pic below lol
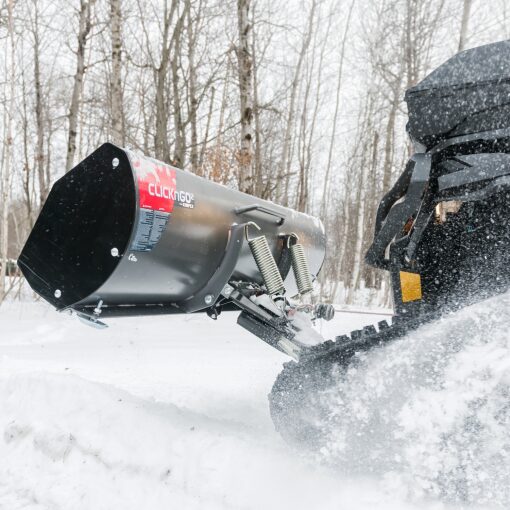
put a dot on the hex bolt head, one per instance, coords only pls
(115, 162)
(208, 299)
(114, 252)
(227, 290)
(57, 293)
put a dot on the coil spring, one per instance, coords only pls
(267, 265)
(301, 270)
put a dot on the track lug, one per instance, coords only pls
(369, 330)
(356, 334)
(382, 325)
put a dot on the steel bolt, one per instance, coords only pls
(208, 299)
(58, 293)
(227, 290)
(115, 252)
(115, 162)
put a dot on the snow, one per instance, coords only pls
(171, 412)
(430, 413)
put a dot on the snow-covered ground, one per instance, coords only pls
(171, 412)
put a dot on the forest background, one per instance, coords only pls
(298, 102)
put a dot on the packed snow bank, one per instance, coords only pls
(74, 444)
(153, 413)
(431, 412)
(171, 412)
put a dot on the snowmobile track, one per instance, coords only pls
(295, 399)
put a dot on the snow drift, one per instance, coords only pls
(70, 443)
(172, 413)
(431, 412)
(162, 413)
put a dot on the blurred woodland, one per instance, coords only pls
(300, 102)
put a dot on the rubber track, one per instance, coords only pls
(293, 398)
(345, 346)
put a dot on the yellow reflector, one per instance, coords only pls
(410, 284)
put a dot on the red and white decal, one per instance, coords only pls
(157, 183)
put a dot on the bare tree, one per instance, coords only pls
(160, 76)
(466, 10)
(332, 142)
(257, 187)
(84, 27)
(217, 154)
(39, 156)
(116, 80)
(245, 73)
(286, 156)
(177, 100)
(203, 149)
(192, 85)
(249, 93)
(310, 112)
(7, 159)
(28, 181)
(167, 64)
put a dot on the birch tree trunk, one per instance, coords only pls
(245, 70)
(84, 27)
(192, 87)
(118, 136)
(39, 155)
(466, 11)
(258, 186)
(8, 153)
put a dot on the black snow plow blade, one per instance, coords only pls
(122, 234)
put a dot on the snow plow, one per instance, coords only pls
(123, 235)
